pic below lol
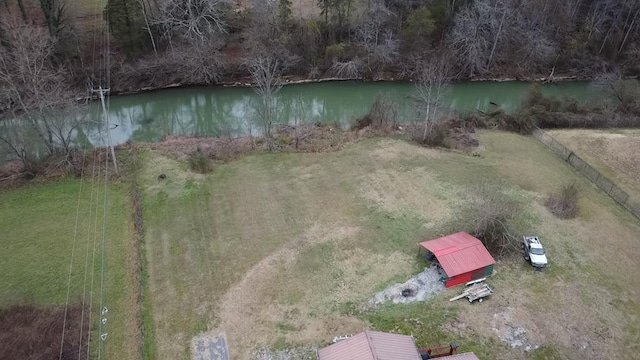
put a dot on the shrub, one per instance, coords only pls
(284, 140)
(335, 51)
(564, 204)
(383, 114)
(200, 163)
(436, 136)
(522, 122)
(490, 215)
(418, 26)
(535, 98)
(349, 69)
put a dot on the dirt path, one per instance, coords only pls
(248, 319)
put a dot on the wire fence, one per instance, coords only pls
(620, 196)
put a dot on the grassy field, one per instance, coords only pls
(615, 153)
(286, 249)
(38, 225)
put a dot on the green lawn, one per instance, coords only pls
(286, 249)
(38, 230)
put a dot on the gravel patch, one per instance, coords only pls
(506, 326)
(210, 347)
(418, 288)
(516, 337)
(296, 353)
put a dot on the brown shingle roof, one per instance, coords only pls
(372, 345)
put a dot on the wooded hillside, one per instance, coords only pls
(158, 42)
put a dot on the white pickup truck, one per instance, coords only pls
(533, 251)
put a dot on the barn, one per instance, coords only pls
(463, 258)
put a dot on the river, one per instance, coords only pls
(228, 111)
(217, 111)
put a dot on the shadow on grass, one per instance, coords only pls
(35, 332)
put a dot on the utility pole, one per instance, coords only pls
(101, 93)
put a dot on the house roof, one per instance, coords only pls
(459, 253)
(464, 356)
(372, 345)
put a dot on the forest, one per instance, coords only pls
(54, 53)
(61, 46)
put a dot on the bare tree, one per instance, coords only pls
(349, 69)
(55, 14)
(201, 64)
(429, 92)
(631, 20)
(144, 5)
(378, 41)
(490, 33)
(37, 100)
(266, 38)
(194, 20)
(265, 73)
(470, 38)
(610, 23)
(532, 43)
(625, 93)
(15, 136)
(31, 80)
(500, 8)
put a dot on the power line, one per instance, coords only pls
(73, 248)
(86, 260)
(103, 309)
(93, 262)
(105, 108)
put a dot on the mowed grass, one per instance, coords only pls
(38, 225)
(287, 249)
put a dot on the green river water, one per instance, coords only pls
(218, 111)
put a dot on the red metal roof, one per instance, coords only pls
(459, 253)
(372, 345)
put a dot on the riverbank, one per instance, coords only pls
(305, 138)
(245, 82)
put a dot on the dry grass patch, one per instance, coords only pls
(394, 150)
(254, 309)
(206, 233)
(407, 192)
(615, 153)
(589, 256)
(164, 175)
(284, 249)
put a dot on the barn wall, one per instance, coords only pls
(459, 279)
(469, 276)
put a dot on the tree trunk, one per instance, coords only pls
(146, 21)
(496, 39)
(426, 123)
(626, 35)
(604, 41)
(22, 11)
